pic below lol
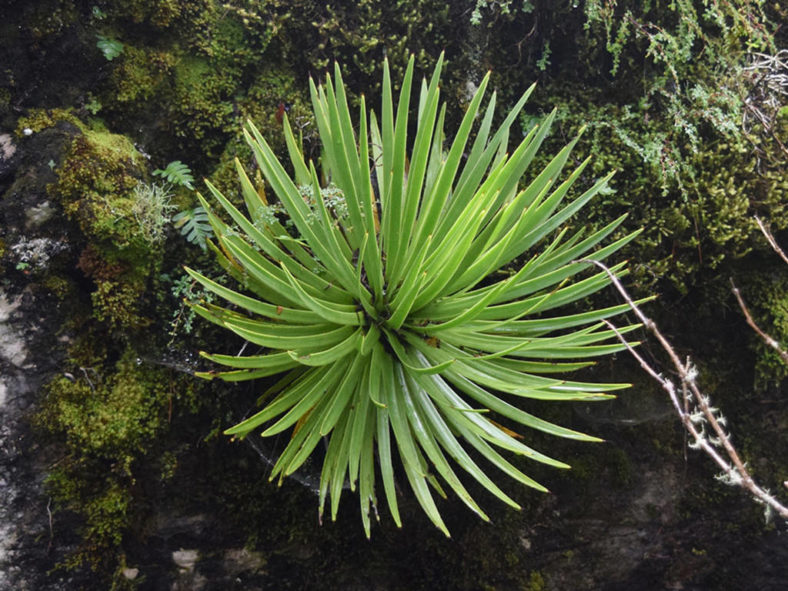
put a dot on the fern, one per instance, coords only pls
(194, 224)
(177, 173)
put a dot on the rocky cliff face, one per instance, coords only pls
(29, 356)
(153, 498)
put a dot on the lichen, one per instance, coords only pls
(35, 253)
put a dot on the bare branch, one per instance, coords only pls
(51, 530)
(770, 239)
(765, 337)
(694, 408)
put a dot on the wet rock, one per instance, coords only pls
(185, 559)
(12, 345)
(240, 560)
(33, 236)
(38, 215)
(27, 359)
(188, 577)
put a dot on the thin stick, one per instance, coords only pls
(771, 240)
(774, 344)
(51, 530)
(702, 412)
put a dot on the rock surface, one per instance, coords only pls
(632, 515)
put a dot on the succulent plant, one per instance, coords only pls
(407, 323)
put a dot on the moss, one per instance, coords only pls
(361, 34)
(95, 183)
(605, 462)
(535, 582)
(160, 14)
(139, 74)
(39, 119)
(272, 87)
(232, 34)
(106, 421)
(5, 101)
(48, 19)
(202, 107)
(193, 75)
(109, 418)
(62, 288)
(104, 506)
(766, 295)
(689, 232)
(119, 291)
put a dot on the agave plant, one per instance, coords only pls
(407, 324)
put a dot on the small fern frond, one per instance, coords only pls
(194, 225)
(177, 173)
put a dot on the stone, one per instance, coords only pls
(12, 346)
(7, 152)
(38, 215)
(185, 559)
(238, 560)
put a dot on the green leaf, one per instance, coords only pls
(111, 48)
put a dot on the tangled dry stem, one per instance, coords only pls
(769, 75)
(694, 408)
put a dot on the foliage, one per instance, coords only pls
(695, 237)
(177, 173)
(499, 6)
(111, 48)
(397, 311)
(694, 58)
(691, 235)
(184, 289)
(194, 225)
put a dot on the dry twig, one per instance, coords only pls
(770, 239)
(51, 529)
(765, 337)
(769, 76)
(694, 408)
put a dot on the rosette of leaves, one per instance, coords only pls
(407, 327)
